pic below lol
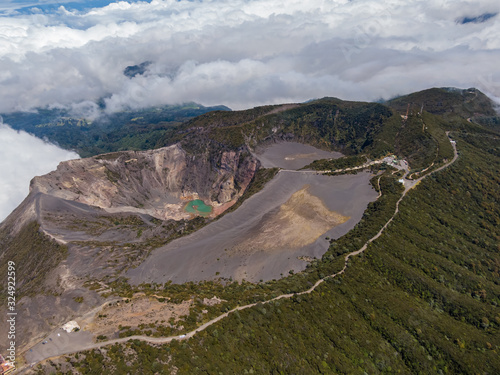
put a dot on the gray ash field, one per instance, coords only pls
(230, 247)
(292, 155)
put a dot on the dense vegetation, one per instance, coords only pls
(126, 130)
(335, 164)
(330, 123)
(349, 127)
(354, 128)
(450, 103)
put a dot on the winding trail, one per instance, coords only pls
(409, 184)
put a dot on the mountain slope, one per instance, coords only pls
(112, 210)
(447, 102)
(423, 299)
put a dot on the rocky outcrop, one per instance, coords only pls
(155, 182)
(233, 175)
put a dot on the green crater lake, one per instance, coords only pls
(198, 207)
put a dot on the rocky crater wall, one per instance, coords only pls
(155, 182)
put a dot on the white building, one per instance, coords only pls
(71, 326)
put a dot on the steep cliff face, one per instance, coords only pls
(155, 182)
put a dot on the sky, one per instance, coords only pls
(241, 53)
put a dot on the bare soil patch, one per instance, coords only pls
(137, 312)
(298, 222)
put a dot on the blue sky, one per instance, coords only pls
(26, 6)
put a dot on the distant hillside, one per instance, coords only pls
(352, 128)
(447, 102)
(126, 130)
(349, 127)
(330, 123)
(452, 104)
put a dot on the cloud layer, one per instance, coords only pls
(243, 53)
(23, 156)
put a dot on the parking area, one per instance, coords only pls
(57, 343)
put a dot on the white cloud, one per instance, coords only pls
(23, 156)
(244, 53)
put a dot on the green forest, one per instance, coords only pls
(125, 130)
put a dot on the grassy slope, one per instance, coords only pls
(34, 255)
(334, 164)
